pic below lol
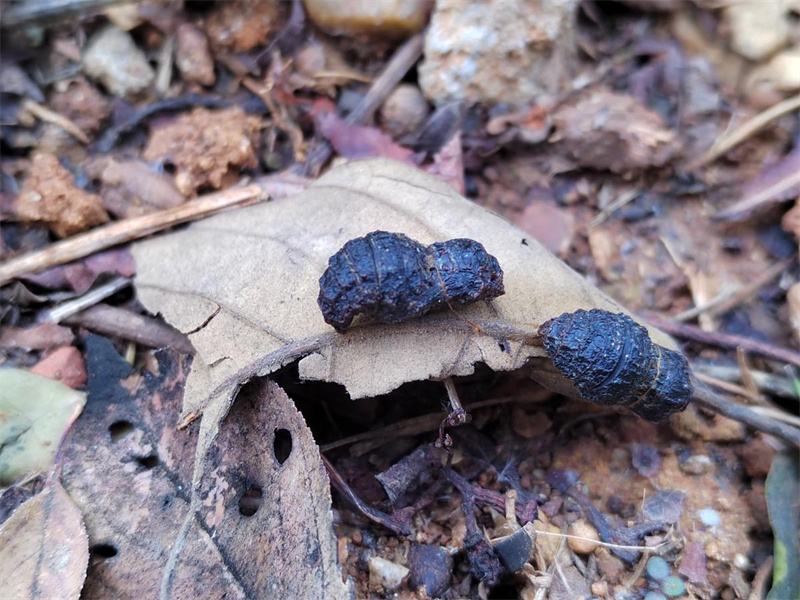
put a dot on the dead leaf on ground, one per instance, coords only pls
(43, 548)
(244, 285)
(131, 188)
(264, 498)
(34, 414)
(359, 141)
(79, 276)
(448, 164)
(608, 131)
(777, 183)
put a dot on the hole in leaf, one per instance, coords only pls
(149, 461)
(120, 429)
(103, 550)
(282, 446)
(250, 501)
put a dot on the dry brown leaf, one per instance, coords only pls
(243, 285)
(44, 550)
(265, 499)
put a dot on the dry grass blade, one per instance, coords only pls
(751, 127)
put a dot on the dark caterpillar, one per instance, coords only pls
(612, 361)
(393, 278)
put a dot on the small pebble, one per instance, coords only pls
(430, 566)
(389, 19)
(696, 465)
(404, 111)
(193, 56)
(655, 596)
(657, 568)
(582, 529)
(673, 586)
(385, 573)
(709, 517)
(112, 58)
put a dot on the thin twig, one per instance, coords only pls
(353, 75)
(777, 414)
(403, 59)
(90, 298)
(750, 203)
(731, 388)
(751, 127)
(614, 205)
(768, 383)
(707, 398)
(758, 589)
(45, 114)
(84, 244)
(729, 299)
(372, 514)
(724, 340)
(147, 331)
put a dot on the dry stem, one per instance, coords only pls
(751, 127)
(84, 244)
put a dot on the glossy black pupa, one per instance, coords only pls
(392, 278)
(611, 360)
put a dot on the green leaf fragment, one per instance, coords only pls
(34, 414)
(783, 490)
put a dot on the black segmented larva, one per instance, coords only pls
(611, 360)
(392, 278)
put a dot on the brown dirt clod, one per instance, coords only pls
(206, 146)
(49, 195)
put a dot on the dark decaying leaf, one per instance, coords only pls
(264, 498)
(43, 548)
(263, 525)
(129, 470)
(693, 563)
